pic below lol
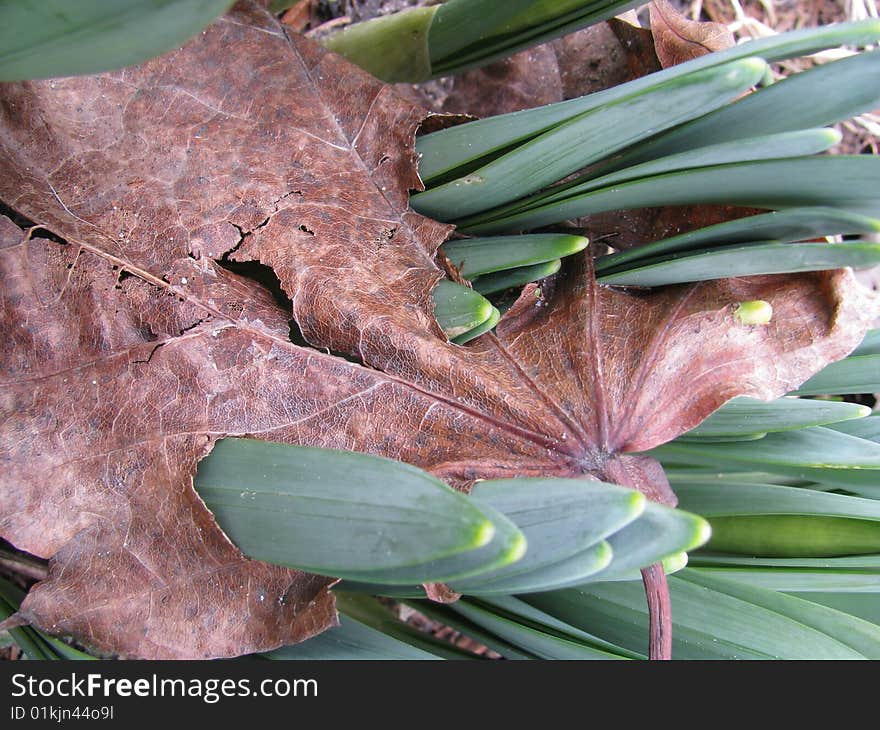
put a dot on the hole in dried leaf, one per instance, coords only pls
(265, 276)
(262, 275)
(26, 223)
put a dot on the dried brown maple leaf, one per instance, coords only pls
(128, 349)
(678, 39)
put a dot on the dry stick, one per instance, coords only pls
(28, 568)
(659, 612)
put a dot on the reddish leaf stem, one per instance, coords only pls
(659, 612)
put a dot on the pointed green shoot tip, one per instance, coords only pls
(674, 563)
(517, 550)
(702, 534)
(484, 533)
(755, 312)
(748, 68)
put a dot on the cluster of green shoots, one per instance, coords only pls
(441, 39)
(685, 136)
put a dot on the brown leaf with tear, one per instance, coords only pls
(678, 39)
(129, 347)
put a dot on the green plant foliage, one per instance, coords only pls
(716, 618)
(560, 518)
(742, 417)
(779, 521)
(865, 428)
(475, 257)
(501, 280)
(35, 644)
(854, 374)
(281, 503)
(842, 181)
(585, 139)
(784, 226)
(418, 43)
(458, 309)
(848, 88)
(536, 639)
(660, 533)
(751, 260)
(791, 560)
(816, 454)
(459, 150)
(351, 640)
(308, 508)
(40, 39)
(368, 631)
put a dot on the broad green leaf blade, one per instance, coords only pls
(541, 21)
(507, 546)
(870, 345)
(854, 374)
(458, 309)
(527, 614)
(559, 518)
(445, 151)
(864, 428)
(477, 256)
(754, 260)
(815, 454)
(671, 564)
(793, 535)
(716, 619)
(459, 23)
(501, 280)
(743, 416)
(800, 143)
(381, 589)
(506, 44)
(46, 38)
(695, 473)
(727, 499)
(723, 439)
(840, 181)
(848, 88)
(392, 47)
(446, 616)
(372, 613)
(795, 580)
(586, 139)
(866, 563)
(861, 605)
(314, 509)
(481, 329)
(540, 643)
(350, 641)
(858, 635)
(356, 640)
(660, 532)
(576, 570)
(782, 226)
(572, 570)
(676, 562)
